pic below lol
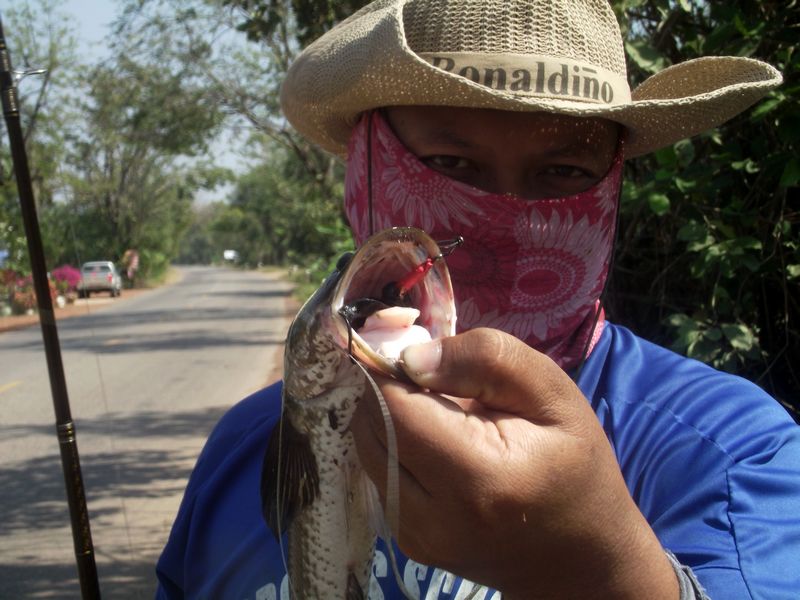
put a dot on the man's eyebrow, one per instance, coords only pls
(579, 147)
(442, 135)
(573, 148)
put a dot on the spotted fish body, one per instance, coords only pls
(312, 485)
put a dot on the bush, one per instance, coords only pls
(21, 293)
(153, 268)
(708, 261)
(66, 278)
(23, 300)
(7, 279)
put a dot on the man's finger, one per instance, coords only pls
(493, 367)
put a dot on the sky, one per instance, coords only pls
(91, 19)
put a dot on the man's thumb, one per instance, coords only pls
(496, 369)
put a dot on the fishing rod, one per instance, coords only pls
(65, 428)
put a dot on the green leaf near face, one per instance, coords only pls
(658, 203)
(739, 336)
(645, 56)
(791, 173)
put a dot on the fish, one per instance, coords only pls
(313, 487)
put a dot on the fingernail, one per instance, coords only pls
(422, 358)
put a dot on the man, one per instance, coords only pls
(553, 453)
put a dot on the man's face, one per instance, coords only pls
(531, 155)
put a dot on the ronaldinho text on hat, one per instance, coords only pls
(539, 77)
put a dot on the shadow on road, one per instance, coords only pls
(122, 581)
(133, 425)
(34, 500)
(33, 490)
(172, 337)
(251, 293)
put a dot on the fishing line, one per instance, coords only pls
(392, 508)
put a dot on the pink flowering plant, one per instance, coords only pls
(8, 278)
(66, 278)
(23, 295)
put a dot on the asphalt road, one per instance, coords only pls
(147, 379)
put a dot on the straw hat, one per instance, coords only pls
(563, 56)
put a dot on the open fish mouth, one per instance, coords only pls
(395, 273)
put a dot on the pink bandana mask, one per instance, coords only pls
(532, 268)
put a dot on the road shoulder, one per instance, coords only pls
(82, 306)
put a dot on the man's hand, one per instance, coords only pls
(507, 478)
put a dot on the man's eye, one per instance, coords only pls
(567, 171)
(445, 162)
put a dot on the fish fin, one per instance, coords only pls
(372, 501)
(354, 591)
(289, 476)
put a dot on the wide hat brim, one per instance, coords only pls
(365, 63)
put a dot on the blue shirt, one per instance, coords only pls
(711, 460)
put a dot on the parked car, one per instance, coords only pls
(99, 276)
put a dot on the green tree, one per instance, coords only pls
(286, 209)
(708, 258)
(237, 229)
(39, 38)
(201, 39)
(276, 216)
(198, 246)
(264, 20)
(129, 186)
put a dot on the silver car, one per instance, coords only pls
(99, 276)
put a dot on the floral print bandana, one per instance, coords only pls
(532, 268)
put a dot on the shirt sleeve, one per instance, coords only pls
(226, 463)
(711, 460)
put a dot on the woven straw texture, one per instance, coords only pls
(517, 28)
(372, 59)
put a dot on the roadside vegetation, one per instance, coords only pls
(708, 258)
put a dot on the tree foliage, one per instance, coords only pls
(40, 39)
(263, 19)
(127, 188)
(708, 259)
(202, 40)
(276, 215)
(112, 148)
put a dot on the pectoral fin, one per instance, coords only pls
(354, 591)
(289, 476)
